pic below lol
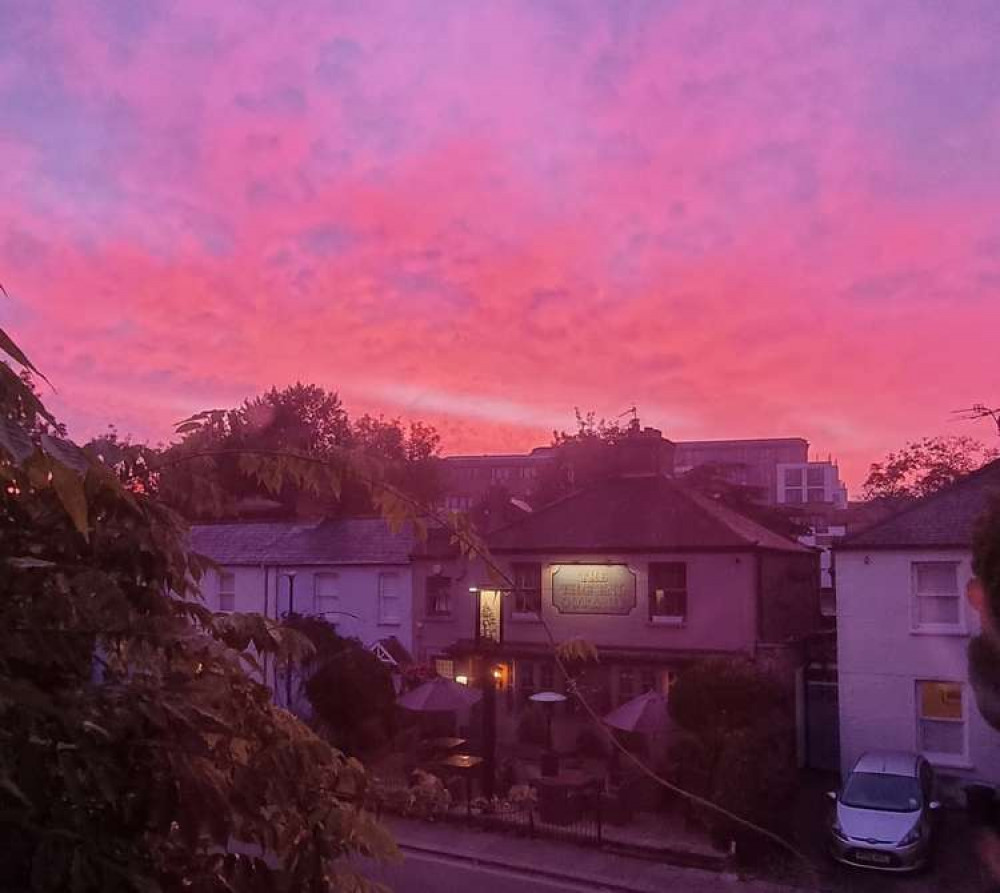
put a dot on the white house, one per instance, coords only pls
(353, 572)
(903, 627)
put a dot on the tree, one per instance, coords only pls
(923, 467)
(206, 479)
(736, 746)
(135, 743)
(349, 689)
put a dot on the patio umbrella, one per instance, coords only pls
(438, 696)
(646, 714)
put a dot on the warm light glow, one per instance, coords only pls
(462, 680)
(497, 673)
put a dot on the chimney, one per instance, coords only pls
(646, 452)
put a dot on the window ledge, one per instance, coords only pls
(390, 623)
(439, 618)
(942, 631)
(668, 621)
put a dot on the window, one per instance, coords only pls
(816, 494)
(937, 605)
(388, 598)
(227, 591)
(941, 720)
(647, 680)
(668, 591)
(527, 588)
(793, 477)
(815, 477)
(444, 667)
(325, 595)
(626, 684)
(438, 596)
(547, 676)
(525, 673)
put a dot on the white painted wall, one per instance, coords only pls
(358, 595)
(881, 658)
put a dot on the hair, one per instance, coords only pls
(986, 554)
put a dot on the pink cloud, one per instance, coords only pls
(486, 215)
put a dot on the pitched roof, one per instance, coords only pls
(347, 541)
(943, 519)
(637, 513)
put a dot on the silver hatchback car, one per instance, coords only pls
(884, 813)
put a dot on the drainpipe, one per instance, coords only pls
(288, 662)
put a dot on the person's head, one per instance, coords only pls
(984, 588)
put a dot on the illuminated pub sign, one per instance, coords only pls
(593, 589)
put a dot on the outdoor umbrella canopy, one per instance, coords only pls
(646, 714)
(439, 695)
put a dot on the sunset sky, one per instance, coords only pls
(746, 218)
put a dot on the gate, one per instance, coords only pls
(822, 726)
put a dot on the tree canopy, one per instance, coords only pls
(297, 420)
(923, 467)
(136, 746)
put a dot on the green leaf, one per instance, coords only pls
(8, 346)
(69, 488)
(15, 440)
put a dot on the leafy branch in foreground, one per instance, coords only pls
(136, 752)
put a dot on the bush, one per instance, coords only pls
(532, 727)
(590, 743)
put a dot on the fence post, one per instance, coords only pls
(531, 823)
(600, 837)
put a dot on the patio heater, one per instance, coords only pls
(488, 638)
(548, 700)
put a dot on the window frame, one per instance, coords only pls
(937, 758)
(959, 627)
(318, 598)
(230, 593)
(431, 607)
(517, 608)
(383, 618)
(667, 619)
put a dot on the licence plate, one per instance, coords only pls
(872, 858)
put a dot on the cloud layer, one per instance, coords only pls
(756, 219)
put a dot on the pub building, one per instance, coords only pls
(652, 573)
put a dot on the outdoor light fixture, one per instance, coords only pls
(462, 680)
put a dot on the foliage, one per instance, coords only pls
(723, 694)
(134, 745)
(923, 467)
(425, 798)
(735, 743)
(349, 689)
(522, 798)
(206, 473)
(532, 727)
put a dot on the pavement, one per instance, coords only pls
(441, 855)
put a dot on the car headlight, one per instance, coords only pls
(912, 837)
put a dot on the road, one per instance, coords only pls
(425, 873)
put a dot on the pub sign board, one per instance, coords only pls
(593, 588)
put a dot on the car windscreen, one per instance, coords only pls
(869, 790)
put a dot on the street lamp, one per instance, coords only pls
(548, 700)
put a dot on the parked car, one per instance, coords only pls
(885, 812)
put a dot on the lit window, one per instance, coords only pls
(527, 588)
(937, 604)
(227, 591)
(325, 594)
(444, 667)
(668, 591)
(388, 598)
(941, 720)
(438, 596)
